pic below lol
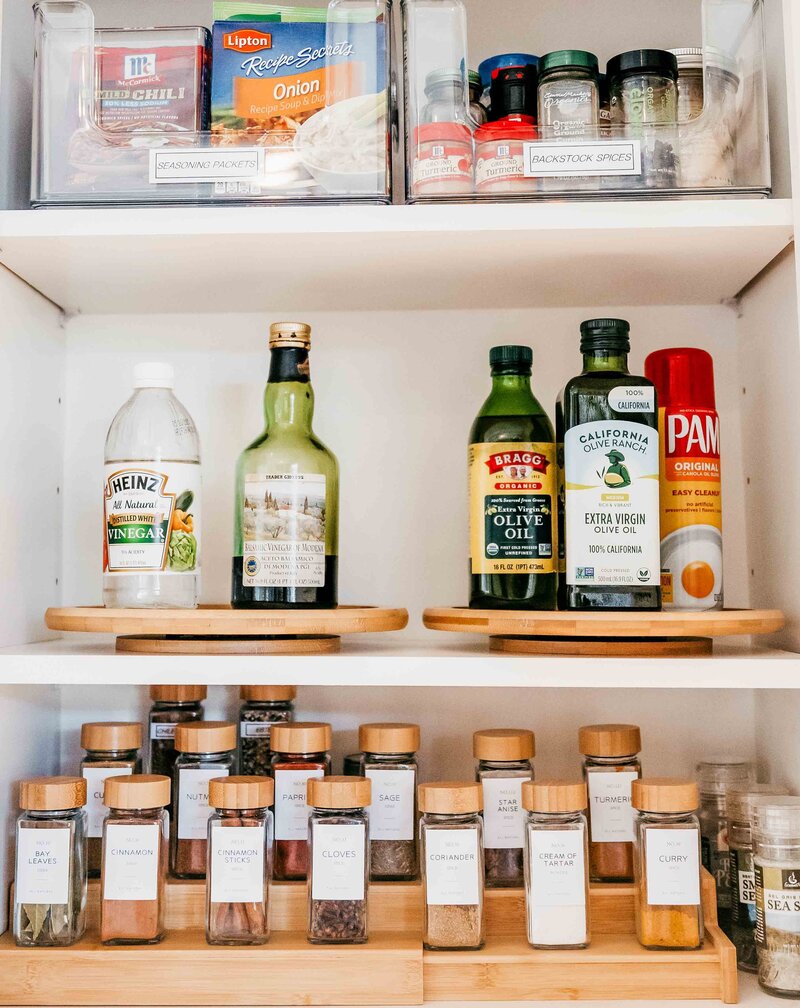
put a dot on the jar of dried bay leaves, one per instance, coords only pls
(50, 891)
(262, 707)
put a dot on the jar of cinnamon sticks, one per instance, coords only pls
(206, 749)
(135, 837)
(239, 860)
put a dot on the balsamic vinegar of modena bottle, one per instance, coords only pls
(607, 421)
(287, 493)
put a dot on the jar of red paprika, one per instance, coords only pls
(500, 156)
(300, 751)
(443, 160)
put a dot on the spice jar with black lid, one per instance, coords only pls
(338, 860)
(135, 838)
(50, 877)
(451, 852)
(239, 860)
(263, 707)
(776, 857)
(206, 749)
(610, 766)
(666, 864)
(112, 749)
(300, 753)
(172, 705)
(504, 763)
(390, 764)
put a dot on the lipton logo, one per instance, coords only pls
(521, 461)
(247, 41)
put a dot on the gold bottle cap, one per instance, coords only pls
(554, 796)
(339, 792)
(205, 736)
(268, 694)
(137, 791)
(610, 740)
(241, 792)
(112, 736)
(301, 737)
(504, 744)
(450, 797)
(178, 694)
(290, 334)
(665, 794)
(52, 794)
(388, 739)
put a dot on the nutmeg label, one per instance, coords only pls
(237, 864)
(193, 810)
(338, 870)
(673, 867)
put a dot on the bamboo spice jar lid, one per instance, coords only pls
(610, 740)
(205, 736)
(178, 694)
(665, 794)
(241, 792)
(504, 744)
(554, 796)
(450, 797)
(268, 694)
(111, 736)
(339, 792)
(388, 739)
(301, 737)
(52, 794)
(137, 791)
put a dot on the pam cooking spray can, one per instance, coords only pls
(691, 498)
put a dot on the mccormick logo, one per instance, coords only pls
(247, 41)
(521, 461)
(140, 65)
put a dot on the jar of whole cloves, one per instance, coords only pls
(504, 763)
(239, 860)
(338, 875)
(262, 707)
(172, 705)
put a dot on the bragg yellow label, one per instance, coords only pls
(512, 493)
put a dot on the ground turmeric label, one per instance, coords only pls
(512, 494)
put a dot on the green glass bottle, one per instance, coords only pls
(286, 528)
(512, 492)
(607, 427)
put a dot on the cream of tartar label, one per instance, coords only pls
(291, 808)
(96, 811)
(43, 863)
(503, 816)
(131, 863)
(610, 809)
(338, 863)
(673, 867)
(237, 864)
(391, 815)
(452, 868)
(193, 810)
(558, 867)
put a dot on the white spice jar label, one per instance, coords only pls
(610, 810)
(558, 868)
(291, 809)
(131, 865)
(338, 868)
(673, 867)
(161, 730)
(452, 867)
(503, 816)
(96, 811)
(237, 864)
(43, 857)
(193, 808)
(256, 729)
(391, 815)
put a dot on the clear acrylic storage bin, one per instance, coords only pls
(300, 108)
(699, 130)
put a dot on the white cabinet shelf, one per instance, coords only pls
(402, 258)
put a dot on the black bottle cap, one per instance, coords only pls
(643, 61)
(514, 92)
(521, 356)
(605, 334)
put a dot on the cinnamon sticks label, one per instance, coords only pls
(237, 864)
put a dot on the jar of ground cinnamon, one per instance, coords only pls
(206, 749)
(611, 765)
(666, 863)
(135, 837)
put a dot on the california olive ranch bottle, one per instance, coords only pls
(607, 420)
(287, 493)
(512, 492)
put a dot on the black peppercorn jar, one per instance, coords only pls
(172, 705)
(263, 707)
(338, 859)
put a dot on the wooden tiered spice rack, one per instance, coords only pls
(391, 968)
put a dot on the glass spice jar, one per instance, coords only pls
(263, 707)
(451, 852)
(504, 763)
(206, 749)
(569, 97)
(666, 864)
(300, 752)
(239, 860)
(171, 706)
(740, 805)
(338, 874)
(447, 102)
(390, 764)
(50, 877)
(611, 765)
(351, 765)
(776, 860)
(135, 841)
(556, 864)
(112, 749)
(477, 110)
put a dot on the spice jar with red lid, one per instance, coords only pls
(500, 156)
(443, 160)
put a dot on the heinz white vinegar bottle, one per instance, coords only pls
(151, 527)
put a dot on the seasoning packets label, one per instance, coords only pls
(43, 857)
(131, 865)
(95, 778)
(503, 817)
(237, 864)
(193, 809)
(610, 809)
(673, 867)
(452, 876)
(558, 870)
(291, 810)
(392, 809)
(338, 868)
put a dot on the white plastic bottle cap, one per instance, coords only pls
(154, 376)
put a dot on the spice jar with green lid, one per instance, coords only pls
(262, 707)
(50, 877)
(776, 858)
(451, 851)
(569, 97)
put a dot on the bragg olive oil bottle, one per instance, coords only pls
(512, 492)
(607, 420)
